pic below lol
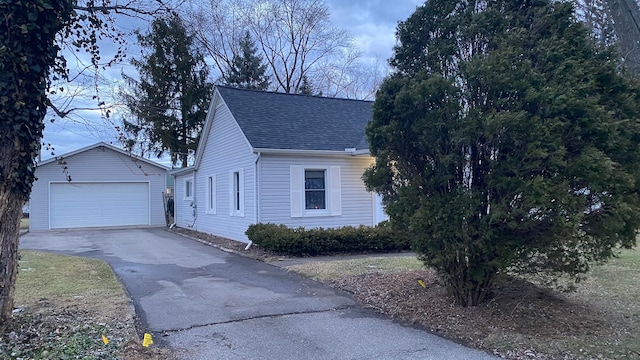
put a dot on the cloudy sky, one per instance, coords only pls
(372, 24)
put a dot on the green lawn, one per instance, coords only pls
(65, 278)
(331, 270)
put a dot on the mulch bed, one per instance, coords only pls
(236, 247)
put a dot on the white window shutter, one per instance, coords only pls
(297, 190)
(336, 191)
(241, 189)
(215, 194)
(231, 194)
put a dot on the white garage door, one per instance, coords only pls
(74, 205)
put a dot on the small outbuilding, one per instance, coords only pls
(97, 186)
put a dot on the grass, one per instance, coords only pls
(24, 223)
(67, 304)
(331, 270)
(48, 276)
(600, 320)
(614, 290)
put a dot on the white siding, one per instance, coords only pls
(357, 205)
(226, 151)
(184, 214)
(99, 164)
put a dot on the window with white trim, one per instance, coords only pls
(315, 191)
(188, 189)
(236, 192)
(315, 197)
(211, 194)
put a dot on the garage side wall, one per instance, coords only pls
(99, 164)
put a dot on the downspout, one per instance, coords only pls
(194, 203)
(257, 188)
(256, 194)
(175, 204)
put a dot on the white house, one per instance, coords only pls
(277, 158)
(97, 186)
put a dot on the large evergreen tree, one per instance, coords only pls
(170, 100)
(247, 70)
(506, 140)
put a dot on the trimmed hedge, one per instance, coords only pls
(318, 241)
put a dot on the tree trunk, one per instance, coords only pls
(626, 22)
(10, 214)
(467, 289)
(27, 35)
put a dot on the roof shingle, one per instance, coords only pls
(273, 120)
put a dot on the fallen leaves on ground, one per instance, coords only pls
(522, 321)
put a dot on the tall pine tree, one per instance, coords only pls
(248, 70)
(169, 101)
(305, 88)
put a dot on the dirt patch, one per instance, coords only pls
(522, 321)
(133, 350)
(48, 330)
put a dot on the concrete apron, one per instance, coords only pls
(208, 304)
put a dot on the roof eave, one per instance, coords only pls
(99, 144)
(301, 152)
(215, 96)
(362, 152)
(182, 171)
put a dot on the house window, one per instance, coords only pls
(315, 191)
(236, 192)
(315, 197)
(188, 189)
(211, 194)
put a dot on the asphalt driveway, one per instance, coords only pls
(210, 304)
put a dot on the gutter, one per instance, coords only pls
(257, 187)
(346, 152)
(181, 171)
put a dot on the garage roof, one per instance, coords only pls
(98, 145)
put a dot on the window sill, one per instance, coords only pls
(316, 213)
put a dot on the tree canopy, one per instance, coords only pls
(305, 88)
(506, 139)
(169, 101)
(295, 38)
(247, 70)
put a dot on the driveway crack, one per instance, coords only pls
(344, 307)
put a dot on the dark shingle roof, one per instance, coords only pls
(285, 121)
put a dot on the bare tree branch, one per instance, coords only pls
(296, 38)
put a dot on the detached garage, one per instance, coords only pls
(109, 188)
